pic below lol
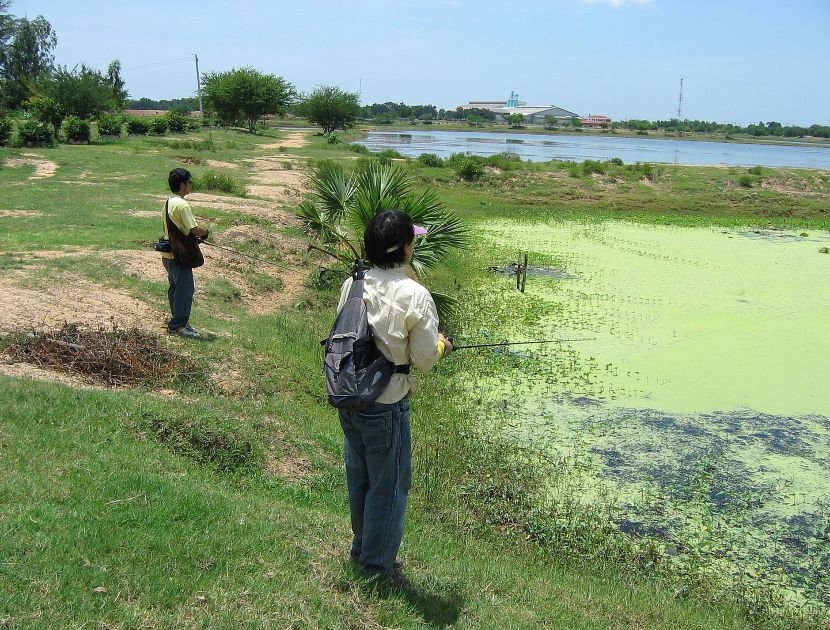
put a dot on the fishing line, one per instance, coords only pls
(267, 262)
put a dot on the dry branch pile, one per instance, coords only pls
(116, 357)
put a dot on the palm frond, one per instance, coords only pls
(380, 182)
(333, 187)
(445, 304)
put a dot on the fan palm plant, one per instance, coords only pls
(343, 203)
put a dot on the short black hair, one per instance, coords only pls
(387, 230)
(177, 177)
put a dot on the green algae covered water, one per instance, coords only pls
(698, 405)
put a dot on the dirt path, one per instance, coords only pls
(43, 168)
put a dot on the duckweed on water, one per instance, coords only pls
(699, 414)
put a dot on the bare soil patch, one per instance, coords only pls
(73, 299)
(792, 186)
(147, 265)
(8, 367)
(275, 181)
(252, 207)
(20, 213)
(43, 168)
(148, 214)
(220, 164)
(295, 140)
(256, 233)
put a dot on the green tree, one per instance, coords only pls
(515, 120)
(46, 110)
(27, 59)
(84, 93)
(550, 122)
(245, 95)
(117, 85)
(331, 108)
(342, 205)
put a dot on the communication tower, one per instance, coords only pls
(680, 102)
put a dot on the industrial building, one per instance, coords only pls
(531, 113)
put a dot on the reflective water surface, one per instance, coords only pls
(540, 147)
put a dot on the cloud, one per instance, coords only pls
(617, 4)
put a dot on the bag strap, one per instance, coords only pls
(358, 272)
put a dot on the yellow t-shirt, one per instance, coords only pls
(181, 215)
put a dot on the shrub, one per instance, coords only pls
(5, 130)
(505, 160)
(138, 126)
(358, 148)
(110, 124)
(589, 167)
(158, 126)
(745, 181)
(194, 124)
(332, 138)
(617, 161)
(76, 130)
(755, 170)
(470, 168)
(176, 121)
(391, 154)
(36, 133)
(431, 160)
(221, 182)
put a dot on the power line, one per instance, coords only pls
(159, 63)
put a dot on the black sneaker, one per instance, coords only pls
(396, 566)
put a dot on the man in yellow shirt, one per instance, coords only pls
(181, 289)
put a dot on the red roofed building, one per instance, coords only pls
(596, 120)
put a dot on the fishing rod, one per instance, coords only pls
(513, 343)
(267, 262)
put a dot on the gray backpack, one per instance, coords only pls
(356, 371)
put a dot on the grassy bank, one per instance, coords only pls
(220, 501)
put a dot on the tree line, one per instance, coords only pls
(771, 128)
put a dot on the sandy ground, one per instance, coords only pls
(25, 370)
(73, 300)
(277, 179)
(220, 164)
(147, 265)
(253, 207)
(295, 140)
(19, 213)
(43, 168)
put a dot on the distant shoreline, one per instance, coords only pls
(651, 135)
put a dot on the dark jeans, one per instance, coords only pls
(179, 294)
(378, 452)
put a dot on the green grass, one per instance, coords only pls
(222, 503)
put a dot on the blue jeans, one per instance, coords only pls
(179, 294)
(378, 450)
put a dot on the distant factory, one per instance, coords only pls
(535, 113)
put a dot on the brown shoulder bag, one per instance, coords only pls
(185, 247)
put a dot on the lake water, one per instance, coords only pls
(541, 148)
(697, 400)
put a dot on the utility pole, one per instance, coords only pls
(680, 103)
(199, 86)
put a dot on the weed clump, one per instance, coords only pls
(209, 441)
(430, 160)
(221, 182)
(467, 166)
(116, 358)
